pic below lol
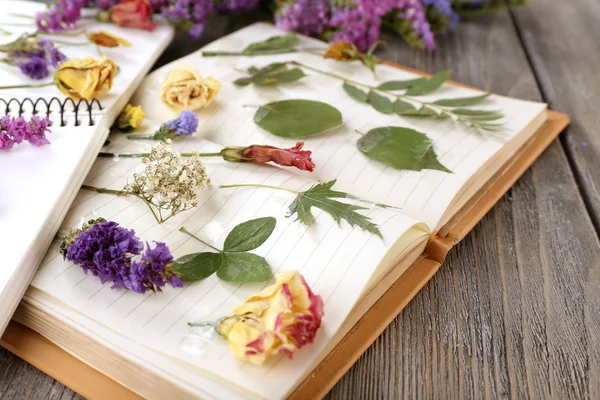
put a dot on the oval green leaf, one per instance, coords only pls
(400, 85)
(380, 103)
(462, 101)
(402, 107)
(429, 85)
(400, 148)
(249, 235)
(243, 267)
(272, 43)
(355, 92)
(297, 118)
(197, 266)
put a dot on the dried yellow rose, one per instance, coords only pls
(107, 39)
(185, 89)
(85, 77)
(281, 318)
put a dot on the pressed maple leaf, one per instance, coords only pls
(323, 197)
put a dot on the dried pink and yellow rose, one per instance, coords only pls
(282, 318)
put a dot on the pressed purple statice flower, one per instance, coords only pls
(231, 6)
(107, 250)
(61, 15)
(444, 10)
(305, 16)
(17, 130)
(188, 15)
(35, 67)
(54, 56)
(185, 125)
(151, 271)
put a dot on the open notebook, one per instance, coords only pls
(143, 342)
(38, 184)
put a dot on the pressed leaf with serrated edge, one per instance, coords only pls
(297, 118)
(272, 43)
(322, 197)
(400, 148)
(429, 85)
(243, 267)
(197, 266)
(462, 101)
(354, 92)
(249, 235)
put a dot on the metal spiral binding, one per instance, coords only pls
(89, 104)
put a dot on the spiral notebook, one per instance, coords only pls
(37, 184)
(141, 344)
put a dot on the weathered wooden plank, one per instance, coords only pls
(561, 39)
(514, 310)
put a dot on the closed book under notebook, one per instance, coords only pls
(144, 343)
(37, 184)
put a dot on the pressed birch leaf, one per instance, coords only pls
(243, 267)
(272, 43)
(400, 148)
(322, 196)
(462, 101)
(400, 85)
(380, 103)
(429, 85)
(355, 93)
(197, 266)
(249, 235)
(297, 118)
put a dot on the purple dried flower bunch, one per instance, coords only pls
(356, 21)
(34, 56)
(114, 254)
(18, 130)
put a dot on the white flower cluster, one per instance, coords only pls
(169, 182)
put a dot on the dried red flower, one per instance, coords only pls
(292, 157)
(133, 14)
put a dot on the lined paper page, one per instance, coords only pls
(38, 184)
(422, 195)
(336, 261)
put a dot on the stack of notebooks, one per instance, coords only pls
(104, 342)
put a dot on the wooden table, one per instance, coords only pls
(515, 310)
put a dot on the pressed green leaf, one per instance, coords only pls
(272, 43)
(400, 85)
(489, 117)
(297, 118)
(270, 75)
(197, 266)
(421, 112)
(429, 85)
(249, 235)
(462, 101)
(380, 103)
(402, 107)
(322, 196)
(355, 92)
(400, 148)
(243, 267)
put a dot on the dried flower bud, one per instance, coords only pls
(130, 118)
(342, 51)
(106, 39)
